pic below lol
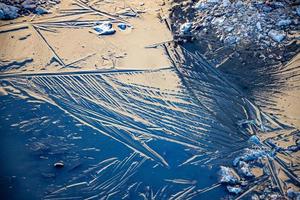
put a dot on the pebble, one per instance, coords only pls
(276, 35)
(59, 164)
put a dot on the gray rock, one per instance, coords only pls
(201, 6)
(186, 27)
(284, 22)
(228, 175)
(8, 12)
(244, 169)
(234, 190)
(40, 10)
(230, 40)
(293, 194)
(29, 4)
(277, 36)
(298, 11)
(226, 3)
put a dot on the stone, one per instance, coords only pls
(59, 164)
(8, 12)
(284, 22)
(104, 28)
(40, 10)
(234, 190)
(277, 36)
(29, 4)
(186, 27)
(228, 175)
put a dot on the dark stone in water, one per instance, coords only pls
(59, 165)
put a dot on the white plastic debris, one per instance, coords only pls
(105, 28)
(234, 190)
(186, 27)
(277, 36)
(8, 12)
(228, 175)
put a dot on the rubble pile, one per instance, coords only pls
(11, 9)
(238, 24)
(260, 172)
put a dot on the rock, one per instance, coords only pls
(218, 20)
(254, 140)
(298, 11)
(127, 13)
(258, 26)
(294, 148)
(59, 164)
(213, 1)
(284, 22)
(226, 3)
(123, 26)
(234, 190)
(105, 29)
(250, 155)
(8, 12)
(293, 194)
(186, 27)
(29, 4)
(228, 175)
(40, 10)
(245, 170)
(230, 40)
(277, 36)
(201, 6)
